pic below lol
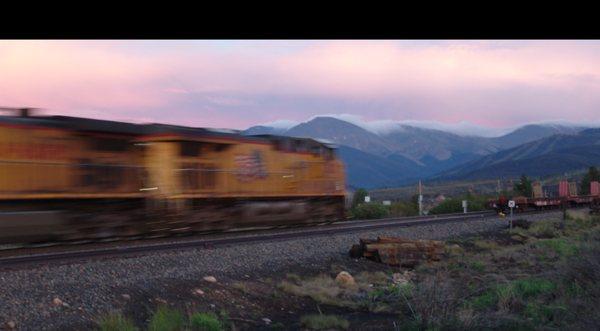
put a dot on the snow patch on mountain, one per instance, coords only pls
(281, 124)
(384, 127)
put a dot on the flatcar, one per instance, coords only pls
(69, 178)
(565, 195)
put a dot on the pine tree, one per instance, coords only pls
(592, 175)
(359, 197)
(524, 187)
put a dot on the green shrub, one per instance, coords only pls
(447, 206)
(483, 301)
(205, 322)
(502, 295)
(324, 322)
(562, 247)
(454, 205)
(505, 295)
(543, 229)
(477, 266)
(370, 211)
(580, 220)
(399, 209)
(359, 197)
(116, 322)
(166, 319)
(543, 313)
(278, 326)
(532, 287)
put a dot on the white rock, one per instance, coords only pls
(345, 279)
(57, 302)
(210, 279)
(399, 279)
(267, 321)
(11, 325)
(126, 296)
(197, 291)
(403, 278)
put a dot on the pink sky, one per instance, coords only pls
(237, 84)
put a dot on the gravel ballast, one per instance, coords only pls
(87, 290)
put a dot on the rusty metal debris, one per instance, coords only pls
(399, 251)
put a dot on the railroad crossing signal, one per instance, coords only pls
(511, 203)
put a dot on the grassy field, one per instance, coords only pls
(544, 277)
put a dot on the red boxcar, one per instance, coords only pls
(594, 188)
(563, 189)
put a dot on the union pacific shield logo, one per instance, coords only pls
(250, 166)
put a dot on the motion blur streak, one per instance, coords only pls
(68, 178)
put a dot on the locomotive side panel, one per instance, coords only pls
(208, 183)
(49, 163)
(107, 164)
(34, 160)
(198, 168)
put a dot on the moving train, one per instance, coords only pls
(70, 178)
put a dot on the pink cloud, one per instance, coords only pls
(69, 78)
(202, 83)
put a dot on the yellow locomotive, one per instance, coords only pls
(68, 178)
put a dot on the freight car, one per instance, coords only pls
(68, 178)
(552, 197)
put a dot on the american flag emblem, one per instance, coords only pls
(250, 167)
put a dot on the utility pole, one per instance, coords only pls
(511, 205)
(420, 199)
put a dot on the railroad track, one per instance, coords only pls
(242, 237)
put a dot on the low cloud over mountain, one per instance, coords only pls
(387, 153)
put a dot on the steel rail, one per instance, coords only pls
(294, 233)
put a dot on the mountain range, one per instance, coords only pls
(547, 156)
(404, 154)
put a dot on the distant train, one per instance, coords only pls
(68, 178)
(551, 197)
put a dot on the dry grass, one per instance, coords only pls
(374, 291)
(116, 322)
(324, 322)
(365, 279)
(243, 287)
(322, 289)
(486, 245)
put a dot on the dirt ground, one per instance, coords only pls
(245, 302)
(520, 279)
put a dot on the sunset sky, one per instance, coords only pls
(237, 84)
